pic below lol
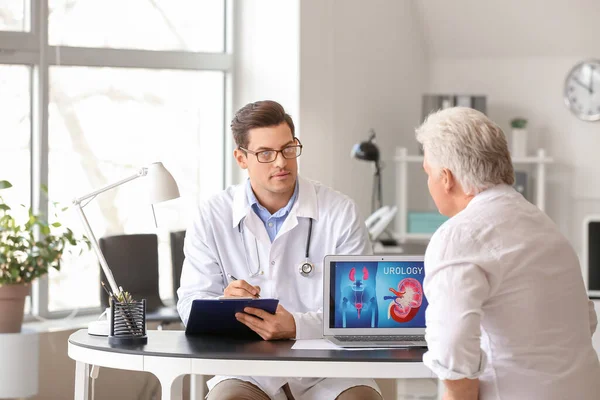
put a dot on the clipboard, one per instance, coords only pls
(217, 316)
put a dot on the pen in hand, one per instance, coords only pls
(233, 278)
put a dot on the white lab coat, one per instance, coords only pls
(214, 248)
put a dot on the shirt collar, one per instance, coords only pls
(305, 206)
(259, 208)
(493, 192)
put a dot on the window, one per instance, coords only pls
(15, 131)
(107, 99)
(155, 115)
(185, 25)
(14, 15)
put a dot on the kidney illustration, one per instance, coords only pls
(406, 300)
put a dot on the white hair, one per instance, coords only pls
(470, 145)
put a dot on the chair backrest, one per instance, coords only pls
(177, 257)
(133, 260)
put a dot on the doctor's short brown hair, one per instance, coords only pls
(260, 114)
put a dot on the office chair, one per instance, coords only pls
(133, 260)
(177, 257)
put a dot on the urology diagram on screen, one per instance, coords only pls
(379, 295)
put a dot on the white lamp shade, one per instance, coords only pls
(162, 186)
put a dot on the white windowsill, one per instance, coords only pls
(81, 320)
(61, 324)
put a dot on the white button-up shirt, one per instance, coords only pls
(507, 303)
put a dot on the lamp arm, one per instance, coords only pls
(94, 243)
(141, 172)
(88, 229)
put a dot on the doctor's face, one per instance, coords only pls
(277, 178)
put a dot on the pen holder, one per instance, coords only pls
(128, 323)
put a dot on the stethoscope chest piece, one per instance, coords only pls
(306, 268)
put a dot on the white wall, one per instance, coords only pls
(510, 28)
(266, 52)
(362, 65)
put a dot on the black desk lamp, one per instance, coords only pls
(368, 151)
(381, 216)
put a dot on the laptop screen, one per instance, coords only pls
(376, 294)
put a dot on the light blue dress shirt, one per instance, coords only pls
(273, 222)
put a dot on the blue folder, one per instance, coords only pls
(217, 317)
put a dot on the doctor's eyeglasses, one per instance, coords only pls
(268, 156)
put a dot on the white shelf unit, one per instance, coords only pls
(402, 159)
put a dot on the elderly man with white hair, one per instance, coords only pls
(508, 316)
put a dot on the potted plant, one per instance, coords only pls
(519, 137)
(28, 249)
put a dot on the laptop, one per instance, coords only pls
(374, 301)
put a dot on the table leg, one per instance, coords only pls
(441, 389)
(170, 373)
(82, 380)
(171, 389)
(197, 387)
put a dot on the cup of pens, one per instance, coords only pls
(127, 319)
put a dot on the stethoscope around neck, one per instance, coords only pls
(305, 269)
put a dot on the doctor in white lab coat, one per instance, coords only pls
(259, 233)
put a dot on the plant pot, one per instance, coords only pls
(519, 142)
(12, 305)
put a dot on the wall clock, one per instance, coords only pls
(582, 90)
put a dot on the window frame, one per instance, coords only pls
(32, 49)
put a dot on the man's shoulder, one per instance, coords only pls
(456, 230)
(219, 202)
(334, 199)
(323, 190)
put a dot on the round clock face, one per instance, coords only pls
(582, 90)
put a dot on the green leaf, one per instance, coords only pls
(44, 188)
(518, 123)
(45, 230)
(5, 185)
(28, 249)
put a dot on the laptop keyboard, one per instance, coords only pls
(391, 338)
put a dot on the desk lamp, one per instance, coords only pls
(381, 215)
(368, 151)
(162, 187)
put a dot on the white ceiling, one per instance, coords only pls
(510, 28)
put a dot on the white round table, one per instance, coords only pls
(170, 355)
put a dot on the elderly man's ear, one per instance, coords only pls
(448, 180)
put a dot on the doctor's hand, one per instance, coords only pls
(241, 288)
(280, 325)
